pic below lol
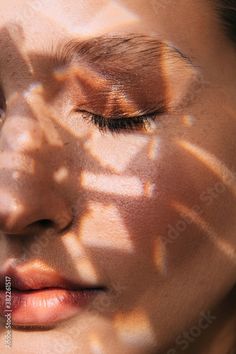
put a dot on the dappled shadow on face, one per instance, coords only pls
(62, 209)
(43, 182)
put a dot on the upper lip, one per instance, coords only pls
(35, 278)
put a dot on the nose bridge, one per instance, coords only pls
(20, 131)
(28, 193)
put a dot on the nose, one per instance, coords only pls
(29, 195)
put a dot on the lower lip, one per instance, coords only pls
(44, 307)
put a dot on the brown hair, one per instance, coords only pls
(227, 12)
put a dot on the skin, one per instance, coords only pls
(157, 226)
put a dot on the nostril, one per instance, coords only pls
(42, 224)
(24, 212)
(46, 223)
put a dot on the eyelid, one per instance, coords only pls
(159, 108)
(124, 123)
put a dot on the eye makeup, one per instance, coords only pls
(125, 123)
(115, 82)
(120, 124)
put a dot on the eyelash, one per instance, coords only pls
(117, 125)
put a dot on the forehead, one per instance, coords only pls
(43, 22)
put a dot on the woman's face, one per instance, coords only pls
(117, 150)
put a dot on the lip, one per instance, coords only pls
(39, 297)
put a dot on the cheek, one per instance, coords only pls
(117, 154)
(121, 188)
(133, 186)
(196, 204)
(120, 194)
(159, 193)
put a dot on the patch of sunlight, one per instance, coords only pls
(36, 88)
(86, 271)
(61, 174)
(103, 227)
(159, 255)
(14, 208)
(171, 68)
(96, 345)
(107, 19)
(115, 158)
(212, 162)
(149, 189)
(84, 267)
(73, 245)
(127, 186)
(153, 148)
(106, 16)
(134, 328)
(118, 98)
(22, 136)
(188, 120)
(37, 265)
(17, 163)
(44, 115)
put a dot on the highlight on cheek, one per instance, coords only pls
(112, 184)
(153, 147)
(115, 159)
(107, 219)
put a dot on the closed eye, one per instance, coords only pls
(124, 123)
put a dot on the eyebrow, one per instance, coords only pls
(129, 67)
(135, 49)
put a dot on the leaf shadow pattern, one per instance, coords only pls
(69, 188)
(72, 147)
